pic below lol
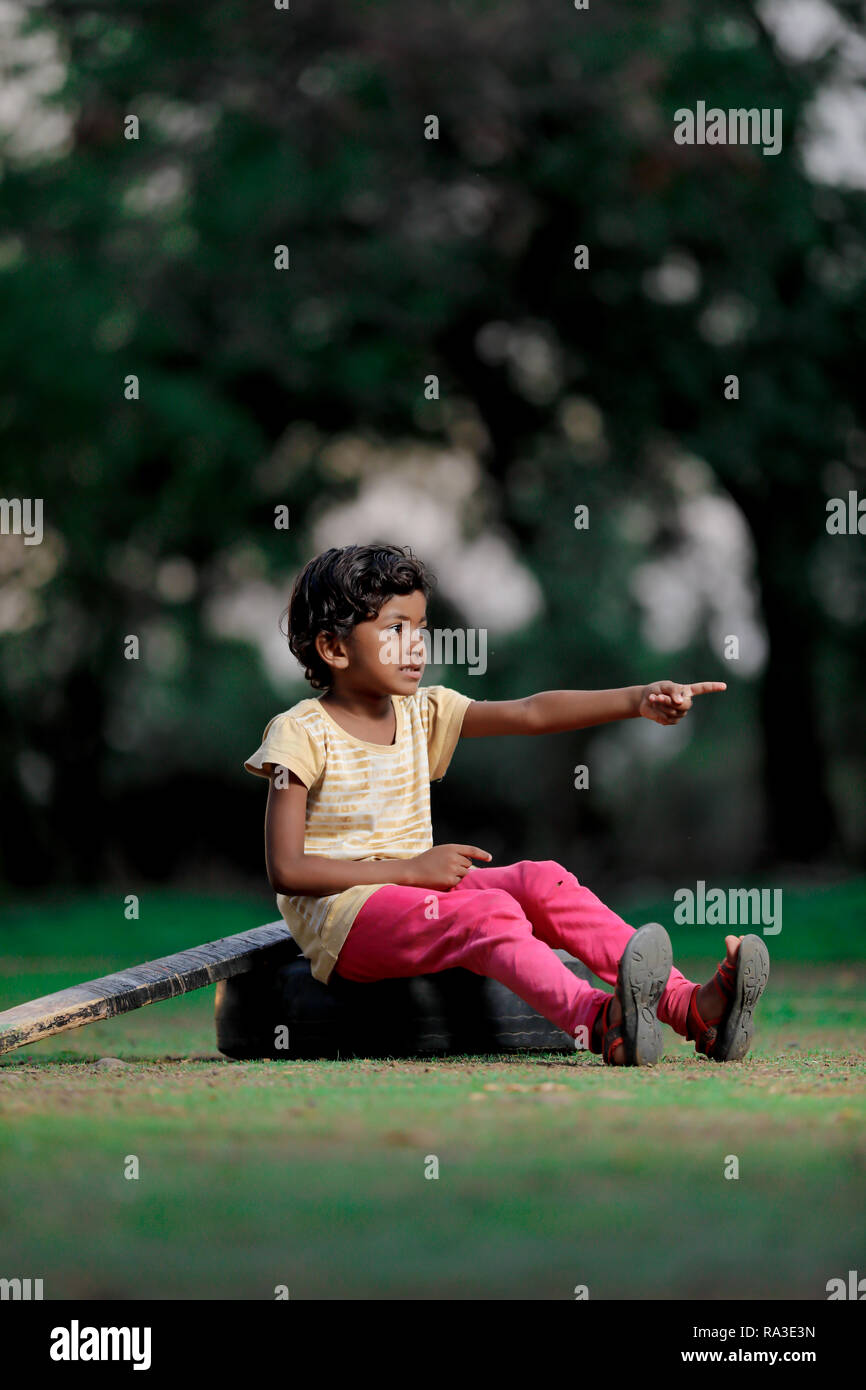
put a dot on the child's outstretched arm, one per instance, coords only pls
(555, 711)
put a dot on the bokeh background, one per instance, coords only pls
(304, 388)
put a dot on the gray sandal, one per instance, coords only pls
(641, 976)
(729, 1038)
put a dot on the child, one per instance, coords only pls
(349, 846)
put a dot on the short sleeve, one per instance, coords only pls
(443, 713)
(286, 743)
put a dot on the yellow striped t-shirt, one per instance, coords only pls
(364, 800)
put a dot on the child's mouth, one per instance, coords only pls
(410, 670)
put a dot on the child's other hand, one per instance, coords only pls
(443, 866)
(666, 702)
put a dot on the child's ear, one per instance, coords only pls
(332, 650)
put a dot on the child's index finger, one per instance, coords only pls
(707, 687)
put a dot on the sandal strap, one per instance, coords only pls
(702, 1034)
(726, 977)
(611, 1039)
(603, 1016)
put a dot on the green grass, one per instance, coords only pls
(553, 1171)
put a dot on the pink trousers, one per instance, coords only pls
(505, 923)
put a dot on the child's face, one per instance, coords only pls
(389, 648)
(387, 653)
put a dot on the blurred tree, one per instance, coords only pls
(408, 256)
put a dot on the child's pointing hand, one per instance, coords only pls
(666, 702)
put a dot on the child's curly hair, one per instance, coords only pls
(343, 587)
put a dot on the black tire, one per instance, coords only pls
(454, 1013)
